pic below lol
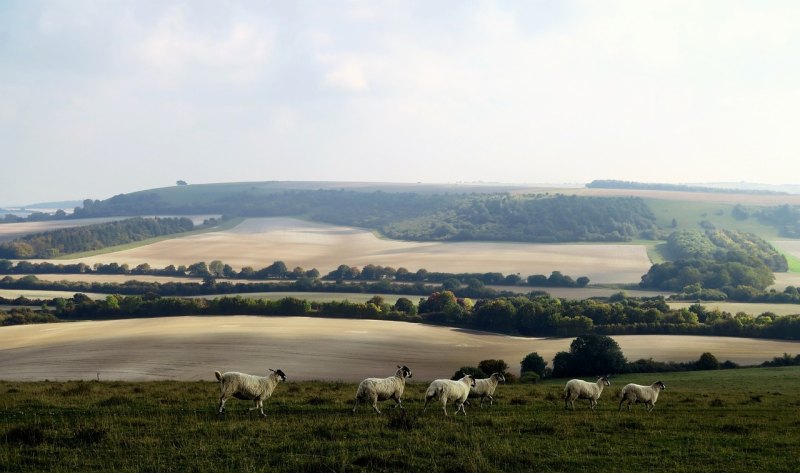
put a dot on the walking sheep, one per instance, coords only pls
(247, 387)
(444, 389)
(484, 388)
(648, 395)
(579, 389)
(381, 389)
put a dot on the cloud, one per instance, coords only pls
(346, 73)
(173, 48)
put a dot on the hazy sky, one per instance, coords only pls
(109, 96)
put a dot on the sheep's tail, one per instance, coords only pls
(218, 375)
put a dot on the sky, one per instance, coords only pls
(105, 97)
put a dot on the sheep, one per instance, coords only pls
(648, 395)
(381, 389)
(445, 389)
(484, 388)
(579, 389)
(247, 387)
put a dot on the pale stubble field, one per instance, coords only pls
(191, 348)
(259, 242)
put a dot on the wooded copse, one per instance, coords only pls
(53, 243)
(735, 264)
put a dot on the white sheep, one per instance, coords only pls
(579, 389)
(247, 387)
(648, 395)
(444, 389)
(484, 388)
(381, 389)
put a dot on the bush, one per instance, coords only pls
(533, 362)
(469, 370)
(707, 361)
(529, 377)
(493, 366)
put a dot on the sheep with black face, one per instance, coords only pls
(381, 389)
(248, 387)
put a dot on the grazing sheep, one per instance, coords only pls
(579, 389)
(445, 389)
(485, 387)
(381, 389)
(648, 395)
(247, 387)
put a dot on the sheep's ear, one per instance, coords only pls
(399, 367)
(272, 370)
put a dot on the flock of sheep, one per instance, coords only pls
(373, 390)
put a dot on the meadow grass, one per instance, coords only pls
(735, 420)
(689, 214)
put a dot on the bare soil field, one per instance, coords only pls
(108, 278)
(790, 246)
(37, 294)
(751, 308)
(9, 231)
(191, 348)
(258, 242)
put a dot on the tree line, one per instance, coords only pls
(533, 315)
(279, 270)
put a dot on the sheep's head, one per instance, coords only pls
(281, 375)
(406, 371)
(605, 379)
(499, 377)
(470, 380)
(661, 385)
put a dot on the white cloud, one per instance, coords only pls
(174, 48)
(346, 73)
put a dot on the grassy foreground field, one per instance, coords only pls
(737, 420)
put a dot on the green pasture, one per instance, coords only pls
(734, 421)
(689, 214)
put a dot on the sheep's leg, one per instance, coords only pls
(427, 399)
(221, 407)
(444, 405)
(375, 404)
(398, 403)
(461, 408)
(355, 405)
(650, 406)
(621, 401)
(491, 400)
(482, 398)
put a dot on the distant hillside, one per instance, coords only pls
(403, 215)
